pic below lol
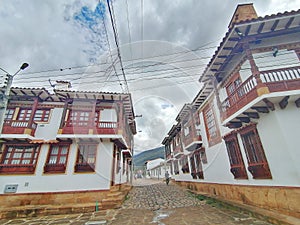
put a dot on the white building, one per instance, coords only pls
(239, 137)
(65, 151)
(157, 168)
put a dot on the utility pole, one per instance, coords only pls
(5, 93)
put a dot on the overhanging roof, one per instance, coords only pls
(261, 26)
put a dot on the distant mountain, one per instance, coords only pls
(140, 159)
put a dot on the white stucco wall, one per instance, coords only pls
(48, 131)
(70, 181)
(279, 132)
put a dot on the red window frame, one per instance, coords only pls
(257, 162)
(79, 118)
(86, 158)
(176, 167)
(19, 159)
(237, 165)
(24, 114)
(184, 164)
(42, 115)
(9, 114)
(57, 159)
(211, 126)
(196, 165)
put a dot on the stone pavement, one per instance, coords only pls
(150, 202)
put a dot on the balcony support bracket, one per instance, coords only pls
(297, 102)
(253, 115)
(261, 109)
(269, 104)
(284, 102)
(244, 119)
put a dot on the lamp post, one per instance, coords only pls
(5, 94)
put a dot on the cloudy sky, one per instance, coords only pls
(164, 46)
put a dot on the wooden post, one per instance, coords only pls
(261, 87)
(33, 110)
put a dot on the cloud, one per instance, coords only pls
(171, 43)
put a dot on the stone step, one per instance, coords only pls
(115, 194)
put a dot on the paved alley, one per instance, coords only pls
(151, 202)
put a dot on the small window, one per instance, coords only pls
(235, 157)
(79, 118)
(186, 131)
(257, 161)
(42, 115)
(184, 164)
(57, 159)
(86, 158)
(212, 128)
(196, 165)
(19, 159)
(24, 114)
(9, 114)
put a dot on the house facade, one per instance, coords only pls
(156, 168)
(240, 133)
(65, 151)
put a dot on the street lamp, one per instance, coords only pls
(5, 94)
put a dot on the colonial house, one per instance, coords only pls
(157, 168)
(64, 152)
(241, 132)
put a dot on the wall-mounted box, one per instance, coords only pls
(11, 188)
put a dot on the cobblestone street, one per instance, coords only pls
(151, 202)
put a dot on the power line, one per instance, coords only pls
(199, 66)
(117, 43)
(101, 64)
(111, 57)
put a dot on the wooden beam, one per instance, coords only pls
(269, 104)
(247, 30)
(227, 48)
(274, 25)
(233, 125)
(261, 109)
(236, 39)
(288, 24)
(297, 102)
(284, 102)
(260, 28)
(244, 119)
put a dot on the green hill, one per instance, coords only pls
(140, 159)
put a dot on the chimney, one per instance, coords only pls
(243, 12)
(62, 85)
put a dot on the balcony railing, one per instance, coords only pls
(54, 168)
(191, 138)
(84, 167)
(285, 79)
(101, 127)
(18, 127)
(17, 168)
(83, 127)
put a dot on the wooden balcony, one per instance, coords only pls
(18, 127)
(100, 128)
(54, 168)
(280, 80)
(192, 141)
(17, 168)
(84, 167)
(178, 151)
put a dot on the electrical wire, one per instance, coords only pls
(117, 43)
